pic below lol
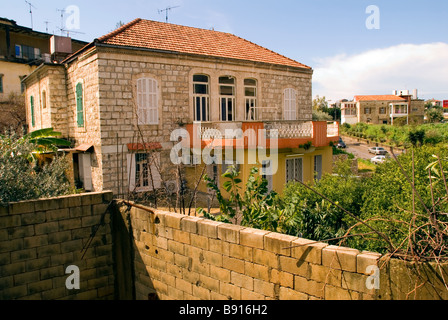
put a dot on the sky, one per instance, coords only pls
(353, 48)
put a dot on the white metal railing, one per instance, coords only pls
(332, 129)
(289, 130)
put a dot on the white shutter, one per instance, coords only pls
(147, 101)
(85, 171)
(131, 171)
(290, 104)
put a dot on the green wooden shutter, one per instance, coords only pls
(79, 105)
(33, 121)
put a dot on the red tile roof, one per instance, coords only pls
(379, 98)
(162, 36)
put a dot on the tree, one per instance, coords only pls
(434, 115)
(21, 178)
(320, 104)
(13, 116)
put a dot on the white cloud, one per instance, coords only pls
(380, 71)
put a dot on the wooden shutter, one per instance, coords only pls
(147, 101)
(85, 171)
(79, 105)
(290, 104)
(33, 120)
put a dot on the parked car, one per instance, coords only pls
(341, 144)
(378, 151)
(378, 159)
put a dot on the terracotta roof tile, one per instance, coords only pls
(379, 98)
(162, 36)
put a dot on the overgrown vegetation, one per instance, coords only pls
(400, 136)
(22, 176)
(401, 209)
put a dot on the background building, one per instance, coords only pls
(400, 107)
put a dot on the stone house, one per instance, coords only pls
(384, 109)
(121, 97)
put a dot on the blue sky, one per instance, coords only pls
(410, 50)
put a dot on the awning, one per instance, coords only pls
(84, 147)
(144, 147)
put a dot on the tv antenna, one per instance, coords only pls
(31, 12)
(46, 26)
(167, 9)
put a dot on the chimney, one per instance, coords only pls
(415, 95)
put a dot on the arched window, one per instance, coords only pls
(290, 105)
(227, 98)
(201, 97)
(250, 93)
(147, 102)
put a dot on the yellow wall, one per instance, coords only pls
(11, 77)
(279, 179)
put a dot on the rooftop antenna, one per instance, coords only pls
(31, 11)
(46, 26)
(167, 9)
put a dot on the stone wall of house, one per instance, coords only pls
(40, 239)
(416, 112)
(118, 71)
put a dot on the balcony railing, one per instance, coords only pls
(320, 133)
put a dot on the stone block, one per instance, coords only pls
(229, 233)
(253, 238)
(208, 228)
(278, 243)
(287, 294)
(233, 264)
(307, 250)
(340, 258)
(365, 260)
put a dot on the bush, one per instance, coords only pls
(21, 178)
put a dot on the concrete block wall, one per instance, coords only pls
(190, 258)
(40, 239)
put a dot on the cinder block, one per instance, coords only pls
(49, 250)
(290, 294)
(48, 204)
(365, 260)
(20, 232)
(309, 287)
(248, 295)
(46, 228)
(265, 258)
(25, 278)
(201, 293)
(40, 286)
(209, 283)
(242, 280)
(181, 236)
(199, 241)
(221, 274)
(356, 282)
(253, 238)
(340, 258)
(32, 218)
(282, 278)
(173, 220)
(190, 224)
(229, 233)
(21, 207)
(256, 271)
(208, 228)
(184, 286)
(307, 250)
(264, 287)
(233, 264)
(12, 245)
(294, 266)
(10, 221)
(240, 252)
(279, 243)
(231, 291)
(23, 255)
(335, 293)
(52, 272)
(325, 275)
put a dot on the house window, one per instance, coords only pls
(1, 83)
(143, 172)
(33, 117)
(318, 167)
(79, 105)
(44, 99)
(367, 111)
(227, 98)
(290, 104)
(201, 97)
(267, 174)
(294, 170)
(250, 89)
(147, 102)
(382, 110)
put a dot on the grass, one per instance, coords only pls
(365, 166)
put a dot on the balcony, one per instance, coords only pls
(400, 110)
(288, 134)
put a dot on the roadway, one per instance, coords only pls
(360, 149)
